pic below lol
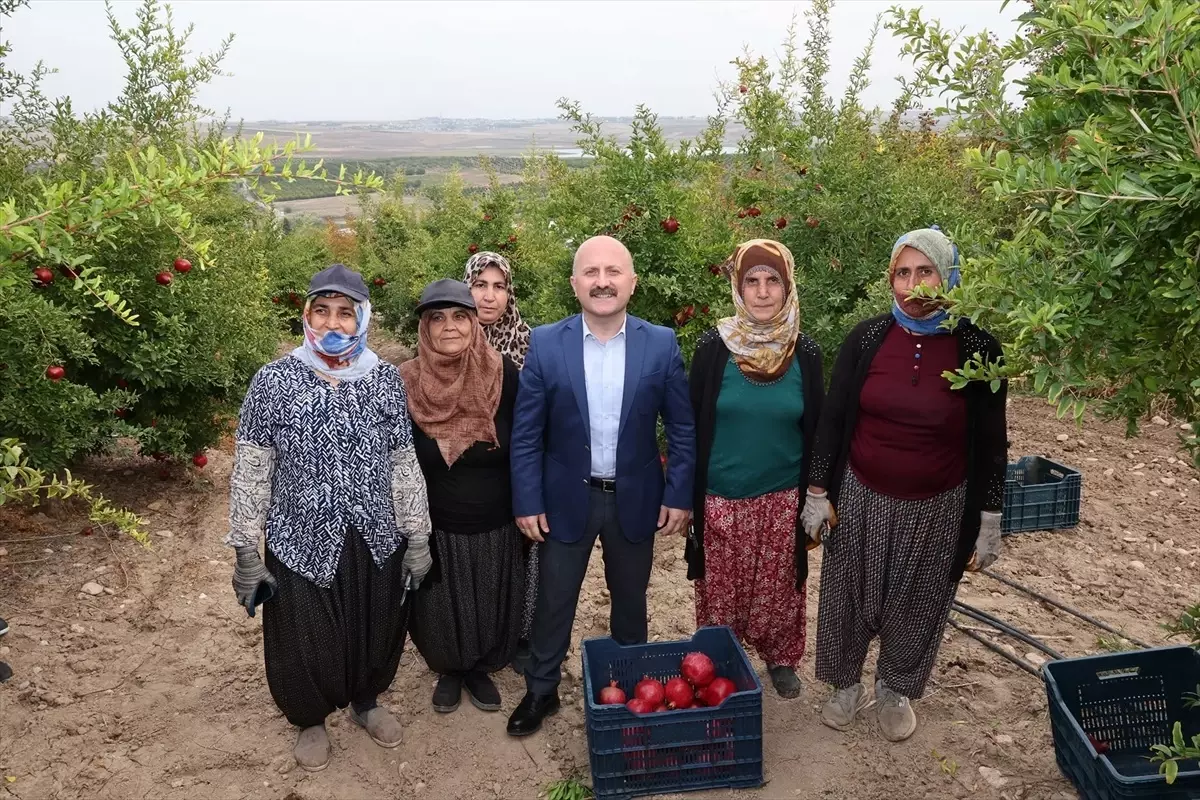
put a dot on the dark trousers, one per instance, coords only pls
(561, 570)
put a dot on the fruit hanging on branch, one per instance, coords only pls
(55, 373)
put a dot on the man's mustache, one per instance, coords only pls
(603, 293)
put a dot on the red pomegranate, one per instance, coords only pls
(612, 695)
(715, 693)
(678, 693)
(182, 265)
(650, 690)
(698, 669)
(639, 706)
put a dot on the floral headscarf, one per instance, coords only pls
(509, 335)
(762, 350)
(333, 353)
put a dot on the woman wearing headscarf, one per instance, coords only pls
(757, 389)
(916, 473)
(489, 277)
(461, 394)
(325, 470)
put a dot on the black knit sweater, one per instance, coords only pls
(704, 382)
(987, 436)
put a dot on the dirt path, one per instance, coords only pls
(154, 688)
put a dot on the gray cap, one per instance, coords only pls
(443, 293)
(341, 279)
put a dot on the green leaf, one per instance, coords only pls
(1171, 770)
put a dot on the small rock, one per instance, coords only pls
(1108, 473)
(109, 591)
(100, 570)
(1172, 460)
(5, 650)
(1137, 565)
(1157, 420)
(992, 777)
(48, 551)
(1139, 473)
(1062, 437)
(1004, 738)
(1156, 493)
(419, 787)
(3, 552)
(1093, 460)
(203, 596)
(213, 562)
(1185, 426)
(165, 534)
(61, 700)
(1140, 465)
(92, 588)
(1167, 481)
(157, 505)
(78, 629)
(1036, 658)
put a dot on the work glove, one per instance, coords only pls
(987, 546)
(817, 515)
(252, 582)
(417, 561)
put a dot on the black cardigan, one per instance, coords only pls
(987, 437)
(704, 382)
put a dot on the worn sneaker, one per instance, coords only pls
(381, 726)
(5, 672)
(843, 706)
(786, 681)
(312, 748)
(447, 694)
(897, 720)
(3, 626)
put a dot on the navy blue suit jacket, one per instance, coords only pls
(551, 437)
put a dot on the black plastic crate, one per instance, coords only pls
(1040, 495)
(1125, 702)
(672, 751)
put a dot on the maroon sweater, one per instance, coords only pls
(911, 439)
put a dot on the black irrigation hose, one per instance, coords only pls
(1063, 606)
(1020, 662)
(986, 618)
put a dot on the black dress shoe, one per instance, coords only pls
(482, 691)
(532, 710)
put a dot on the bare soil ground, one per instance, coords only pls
(154, 688)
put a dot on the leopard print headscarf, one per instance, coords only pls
(509, 335)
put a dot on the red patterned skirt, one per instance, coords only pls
(750, 574)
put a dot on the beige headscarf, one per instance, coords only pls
(454, 398)
(762, 350)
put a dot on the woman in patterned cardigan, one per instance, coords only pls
(325, 470)
(916, 472)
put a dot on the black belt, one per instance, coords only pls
(603, 484)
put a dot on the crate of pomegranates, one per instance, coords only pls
(672, 716)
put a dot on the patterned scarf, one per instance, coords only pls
(346, 358)
(944, 254)
(454, 398)
(509, 335)
(762, 350)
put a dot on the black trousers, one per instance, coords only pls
(327, 648)
(562, 567)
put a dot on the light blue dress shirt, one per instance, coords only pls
(604, 375)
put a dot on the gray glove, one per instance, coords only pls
(817, 513)
(249, 573)
(417, 561)
(987, 546)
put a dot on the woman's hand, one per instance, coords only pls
(817, 513)
(988, 545)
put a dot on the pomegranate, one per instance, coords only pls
(163, 278)
(200, 460)
(716, 692)
(670, 225)
(662, 707)
(698, 669)
(678, 693)
(612, 695)
(43, 275)
(55, 373)
(639, 706)
(182, 265)
(379, 282)
(650, 690)
(781, 223)
(473, 248)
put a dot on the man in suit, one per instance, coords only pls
(585, 461)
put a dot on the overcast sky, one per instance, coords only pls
(384, 59)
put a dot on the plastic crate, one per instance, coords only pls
(1040, 495)
(671, 751)
(1128, 701)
